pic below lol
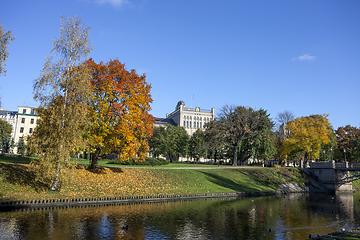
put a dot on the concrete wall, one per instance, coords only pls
(328, 175)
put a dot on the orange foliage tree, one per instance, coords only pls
(118, 112)
(306, 133)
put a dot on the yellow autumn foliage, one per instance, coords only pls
(306, 133)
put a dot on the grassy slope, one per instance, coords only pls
(18, 183)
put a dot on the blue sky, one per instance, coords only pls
(301, 56)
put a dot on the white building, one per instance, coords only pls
(189, 118)
(23, 121)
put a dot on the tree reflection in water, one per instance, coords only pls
(293, 216)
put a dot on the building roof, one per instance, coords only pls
(164, 121)
(5, 112)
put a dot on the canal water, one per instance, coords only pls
(291, 216)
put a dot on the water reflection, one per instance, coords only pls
(293, 216)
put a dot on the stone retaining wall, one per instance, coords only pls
(50, 203)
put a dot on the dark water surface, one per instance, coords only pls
(292, 216)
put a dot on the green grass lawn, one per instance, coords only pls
(17, 182)
(15, 159)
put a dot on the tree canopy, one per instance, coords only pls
(172, 141)
(5, 38)
(118, 112)
(63, 89)
(6, 142)
(348, 138)
(245, 132)
(306, 133)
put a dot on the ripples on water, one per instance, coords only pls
(293, 216)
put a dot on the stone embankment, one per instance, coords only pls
(51, 203)
(291, 187)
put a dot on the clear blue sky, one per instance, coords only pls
(302, 56)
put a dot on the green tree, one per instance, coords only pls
(177, 141)
(157, 142)
(214, 141)
(240, 127)
(5, 38)
(197, 144)
(6, 142)
(63, 89)
(355, 145)
(5, 128)
(21, 146)
(344, 139)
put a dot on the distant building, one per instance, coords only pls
(23, 121)
(189, 118)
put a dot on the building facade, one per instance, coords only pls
(23, 121)
(191, 119)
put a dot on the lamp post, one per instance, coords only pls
(345, 155)
(311, 154)
(324, 154)
(331, 153)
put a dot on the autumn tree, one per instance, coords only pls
(346, 138)
(5, 38)
(119, 112)
(306, 133)
(240, 127)
(63, 89)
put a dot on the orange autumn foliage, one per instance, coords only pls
(120, 122)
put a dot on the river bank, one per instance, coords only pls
(17, 182)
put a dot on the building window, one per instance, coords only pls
(32, 121)
(23, 120)
(30, 130)
(187, 123)
(190, 124)
(197, 124)
(21, 130)
(200, 125)
(24, 111)
(32, 111)
(194, 124)
(184, 124)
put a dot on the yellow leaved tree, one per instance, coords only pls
(307, 134)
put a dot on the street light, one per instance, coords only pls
(331, 153)
(324, 154)
(345, 155)
(310, 154)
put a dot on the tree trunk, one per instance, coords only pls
(54, 185)
(95, 159)
(236, 149)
